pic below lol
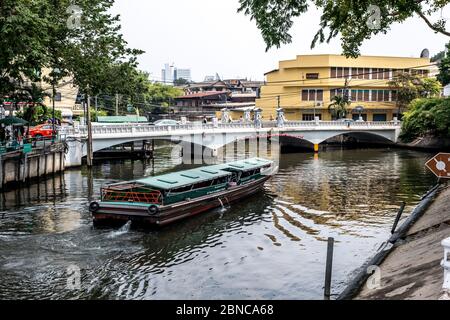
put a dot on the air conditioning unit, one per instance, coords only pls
(319, 104)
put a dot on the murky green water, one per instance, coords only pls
(270, 246)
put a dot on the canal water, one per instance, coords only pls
(269, 246)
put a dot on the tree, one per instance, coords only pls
(180, 82)
(162, 94)
(339, 106)
(444, 67)
(427, 117)
(23, 43)
(355, 21)
(410, 86)
(429, 88)
(82, 41)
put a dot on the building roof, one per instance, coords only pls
(122, 119)
(202, 94)
(233, 105)
(271, 71)
(192, 176)
(207, 84)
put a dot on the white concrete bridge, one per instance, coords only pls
(216, 136)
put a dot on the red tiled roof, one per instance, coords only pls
(202, 94)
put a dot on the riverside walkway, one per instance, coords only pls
(412, 269)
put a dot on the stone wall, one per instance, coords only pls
(17, 167)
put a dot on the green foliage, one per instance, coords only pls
(410, 86)
(339, 106)
(23, 43)
(99, 113)
(39, 34)
(180, 82)
(444, 68)
(38, 114)
(426, 116)
(429, 87)
(346, 18)
(162, 94)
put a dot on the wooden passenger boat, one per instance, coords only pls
(170, 197)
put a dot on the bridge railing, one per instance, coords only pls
(147, 128)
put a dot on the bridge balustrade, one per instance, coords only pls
(147, 128)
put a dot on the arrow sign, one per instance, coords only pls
(440, 165)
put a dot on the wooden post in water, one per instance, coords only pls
(397, 218)
(329, 268)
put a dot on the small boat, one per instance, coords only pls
(163, 199)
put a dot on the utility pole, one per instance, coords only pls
(278, 101)
(89, 129)
(117, 104)
(96, 108)
(53, 111)
(315, 104)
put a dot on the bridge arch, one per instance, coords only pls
(364, 137)
(316, 137)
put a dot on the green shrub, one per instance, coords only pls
(426, 116)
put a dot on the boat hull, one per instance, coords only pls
(111, 213)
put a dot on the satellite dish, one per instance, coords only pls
(425, 53)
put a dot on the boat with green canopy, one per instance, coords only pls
(166, 198)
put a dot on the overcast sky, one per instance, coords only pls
(208, 36)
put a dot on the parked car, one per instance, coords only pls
(166, 122)
(42, 131)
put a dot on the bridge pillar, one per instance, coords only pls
(74, 154)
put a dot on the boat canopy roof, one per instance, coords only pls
(243, 165)
(192, 176)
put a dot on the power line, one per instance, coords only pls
(359, 74)
(276, 95)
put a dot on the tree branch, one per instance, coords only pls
(444, 32)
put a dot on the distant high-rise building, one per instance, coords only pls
(182, 74)
(167, 74)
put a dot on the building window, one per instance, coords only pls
(355, 116)
(366, 95)
(346, 72)
(319, 96)
(304, 95)
(58, 96)
(312, 76)
(333, 72)
(338, 92)
(310, 116)
(360, 95)
(379, 117)
(312, 95)
(339, 72)
(386, 95)
(393, 95)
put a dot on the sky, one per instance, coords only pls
(209, 37)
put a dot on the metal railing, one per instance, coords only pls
(29, 144)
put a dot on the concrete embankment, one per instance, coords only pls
(18, 167)
(408, 265)
(427, 143)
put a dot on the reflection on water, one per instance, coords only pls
(270, 246)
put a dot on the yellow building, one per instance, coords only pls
(66, 96)
(303, 87)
